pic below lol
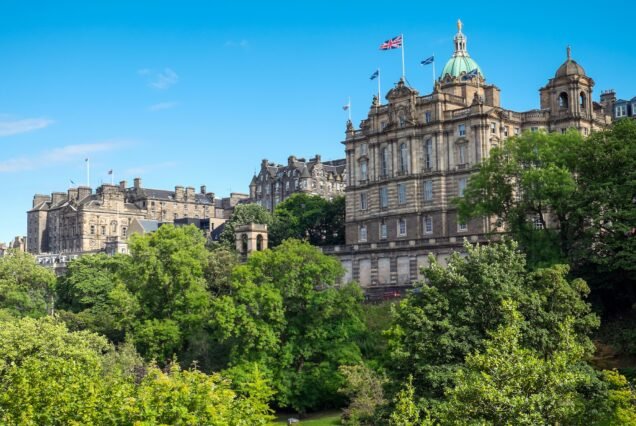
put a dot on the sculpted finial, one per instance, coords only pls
(459, 25)
(569, 50)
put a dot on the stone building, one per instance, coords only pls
(411, 157)
(618, 108)
(275, 182)
(80, 221)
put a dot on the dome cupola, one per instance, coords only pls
(569, 67)
(460, 63)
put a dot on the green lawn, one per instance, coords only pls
(329, 418)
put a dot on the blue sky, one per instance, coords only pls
(190, 93)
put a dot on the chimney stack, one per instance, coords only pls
(137, 183)
(203, 189)
(122, 185)
(39, 199)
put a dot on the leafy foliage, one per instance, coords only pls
(26, 289)
(309, 217)
(364, 389)
(51, 376)
(286, 313)
(450, 315)
(244, 214)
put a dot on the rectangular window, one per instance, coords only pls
(124, 231)
(383, 231)
(401, 193)
(362, 236)
(493, 128)
(461, 130)
(92, 229)
(384, 197)
(506, 131)
(537, 223)
(428, 225)
(427, 117)
(363, 149)
(461, 186)
(534, 129)
(428, 190)
(401, 227)
(621, 110)
(428, 154)
(462, 227)
(363, 201)
(585, 131)
(461, 153)
(517, 131)
(363, 170)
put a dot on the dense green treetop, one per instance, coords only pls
(26, 288)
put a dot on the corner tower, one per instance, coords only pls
(568, 96)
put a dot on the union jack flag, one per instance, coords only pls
(394, 43)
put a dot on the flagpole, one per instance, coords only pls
(403, 69)
(379, 78)
(112, 177)
(433, 70)
(88, 172)
(349, 109)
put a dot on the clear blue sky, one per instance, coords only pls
(191, 93)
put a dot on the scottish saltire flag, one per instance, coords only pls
(394, 43)
(346, 107)
(110, 172)
(72, 182)
(428, 61)
(472, 74)
(375, 75)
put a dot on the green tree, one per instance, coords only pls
(528, 180)
(244, 214)
(406, 411)
(287, 313)
(450, 314)
(506, 383)
(51, 376)
(26, 288)
(364, 389)
(309, 217)
(167, 277)
(92, 295)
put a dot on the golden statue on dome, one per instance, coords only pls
(459, 25)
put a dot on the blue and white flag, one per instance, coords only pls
(375, 75)
(428, 61)
(474, 73)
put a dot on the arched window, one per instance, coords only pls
(259, 242)
(384, 162)
(563, 100)
(404, 158)
(583, 99)
(113, 227)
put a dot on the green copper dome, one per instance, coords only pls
(460, 63)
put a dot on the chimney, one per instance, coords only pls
(203, 189)
(189, 193)
(83, 192)
(39, 199)
(178, 193)
(317, 158)
(264, 163)
(123, 184)
(58, 197)
(72, 194)
(137, 183)
(291, 160)
(608, 98)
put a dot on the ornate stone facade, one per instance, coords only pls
(79, 221)
(275, 182)
(411, 157)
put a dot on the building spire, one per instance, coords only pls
(569, 51)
